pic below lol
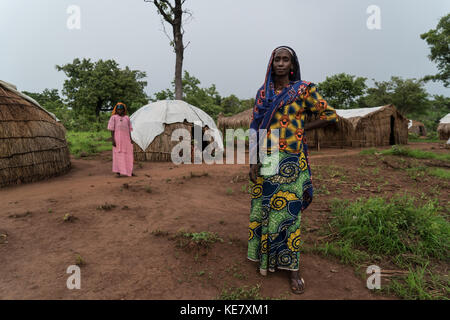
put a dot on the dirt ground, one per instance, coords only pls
(122, 229)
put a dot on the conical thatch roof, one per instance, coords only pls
(444, 128)
(32, 142)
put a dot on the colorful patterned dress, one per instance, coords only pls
(278, 200)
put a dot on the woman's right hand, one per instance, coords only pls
(254, 172)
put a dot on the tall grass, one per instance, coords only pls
(88, 143)
(398, 231)
(393, 228)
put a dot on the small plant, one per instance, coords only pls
(356, 188)
(148, 189)
(107, 206)
(160, 233)
(229, 191)
(79, 261)
(69, 218)
(193, 240)
(50, 211)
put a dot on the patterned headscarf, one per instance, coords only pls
(120, 104)
(267, 103)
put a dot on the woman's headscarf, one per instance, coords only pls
(120, 104)
(267, 103)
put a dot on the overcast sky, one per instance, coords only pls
(230, 40)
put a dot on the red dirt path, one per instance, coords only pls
(124, 260)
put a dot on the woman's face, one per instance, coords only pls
(120, 111)
(282, 63)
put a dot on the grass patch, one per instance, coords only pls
(398, 231)
(420, 284)
(398, 150)
(440, 173)
(88, 143)
(106, 207)
(393, 228)
(204, 239)
(241, 293)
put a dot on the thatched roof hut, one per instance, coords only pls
(239, 120)
(417, 128)
(365, 127)
(32, 142)
(154, 124)
(443, 128)
(378, 126)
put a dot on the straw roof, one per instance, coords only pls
(32, 142)
(239, 120)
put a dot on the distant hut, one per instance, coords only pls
(365, 127)
(154, 124)
(378, 126)
(417, 128)
(32, 141)
(239, 120)
(443, 128)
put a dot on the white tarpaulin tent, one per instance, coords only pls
(148, 122)
(351, 113)
(445, 119)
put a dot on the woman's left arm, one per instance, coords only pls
(130, 127)
(319, 106)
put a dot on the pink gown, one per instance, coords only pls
(122, 161)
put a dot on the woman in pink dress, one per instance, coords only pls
(120, 127)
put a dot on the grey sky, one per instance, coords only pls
(230, 40)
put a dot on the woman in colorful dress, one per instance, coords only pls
(278, 199)
(120, 127)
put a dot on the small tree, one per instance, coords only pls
(93, 87)
(172, 13)
(342, 90)
(408, 95)
(438, 39)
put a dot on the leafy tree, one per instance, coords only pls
(207, 99)
(50, 100)
(172, 13)
(408, 95)
(438, 39)
(342, 90)
(93, 87)
(231, 105)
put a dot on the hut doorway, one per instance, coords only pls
(392, 134)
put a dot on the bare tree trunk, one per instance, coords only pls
(179, 49)
(173, 14)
